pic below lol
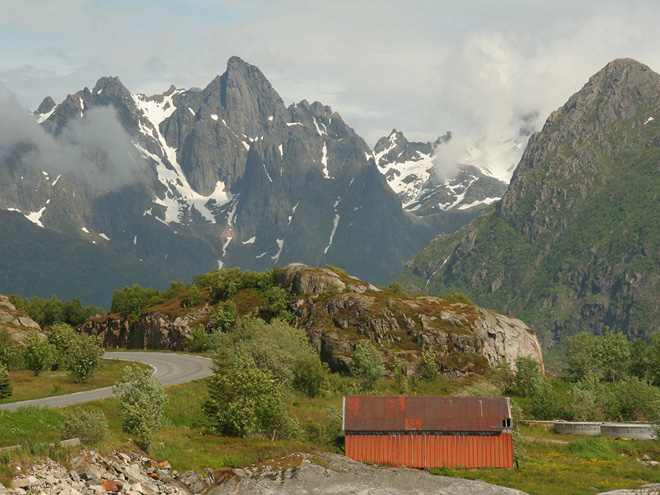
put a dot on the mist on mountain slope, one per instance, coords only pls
(95, 147)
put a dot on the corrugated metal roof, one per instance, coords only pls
(421, 413)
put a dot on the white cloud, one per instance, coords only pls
(424, 67)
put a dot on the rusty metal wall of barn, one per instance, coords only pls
(427, 450)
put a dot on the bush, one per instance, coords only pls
(545, 401)
(367, 366)
(62, 337)
(527, 369)
(310, 375)
(275, 347)
(84, 356)
(458, 297)
(223, 318)
(91, 427)
(38, 355)
(198, 340)
(5, 384)
(193, 297)
(428, 369)
(502, 376)
(243, 401)
(142, 400)
(10, 354)
(326, 432)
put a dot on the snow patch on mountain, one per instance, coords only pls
(280, 244)
(180, 195)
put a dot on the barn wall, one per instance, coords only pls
(432, 449)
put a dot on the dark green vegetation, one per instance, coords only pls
(572, 246)
(605, 378)
(47, 312)
(44, 263)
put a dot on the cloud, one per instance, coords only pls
(95, 148)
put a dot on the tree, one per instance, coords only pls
(61, 337)
(581, 355)
(142, 401)
(428, 369)
(243, 400)
(367, 366)
(527, 369)
(545, 401)
(309, 375)
(613, 356)
(5, 384)
(39, 355)
(84, 356)
(502, 376)
(223, 318)
(10, 354)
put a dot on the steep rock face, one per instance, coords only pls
(155, 331)
(349, 312)
(571, 245)
(17, 323)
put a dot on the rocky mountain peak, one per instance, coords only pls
(46, 105)
(111, 86)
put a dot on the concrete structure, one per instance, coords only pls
(632, 431)
(425, 432)
(578, 428)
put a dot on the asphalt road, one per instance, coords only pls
(169, 369)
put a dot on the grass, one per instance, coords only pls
(583, 466)
(27, 386)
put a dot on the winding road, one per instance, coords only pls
(169, 369)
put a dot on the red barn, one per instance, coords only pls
(426, 432)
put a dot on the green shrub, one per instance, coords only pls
(38, 355)
(243, 401)
(142, 400)
(367, 366)
(457, 297)
(10, 354)
(90, 426)
(310, 375)
(428, 369)
(198, 340)
(5, 384)
(84, 356)
(223, 318)
(193, 297)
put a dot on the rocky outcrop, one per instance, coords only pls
(16, 322)
(322, 474)
(302, 279)
(156, 331)
(464, 337)
(326, 474)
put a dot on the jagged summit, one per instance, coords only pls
(46, 105)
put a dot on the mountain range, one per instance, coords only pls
(159, 188)
(572, 245)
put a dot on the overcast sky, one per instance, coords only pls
(423, 67)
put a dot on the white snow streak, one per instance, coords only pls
(650, 119)
(280, 243)
(180, 194)
(318, 129)
(267, 174)
(84, 229)
(335, 223)
(55, 181)
(105, 237)
(293, 212)
(225, 245)
(250, 240)
(262, 255)
(324, 162)
(486, 201)
(44, 116)
(293, 123)
(135, 240)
